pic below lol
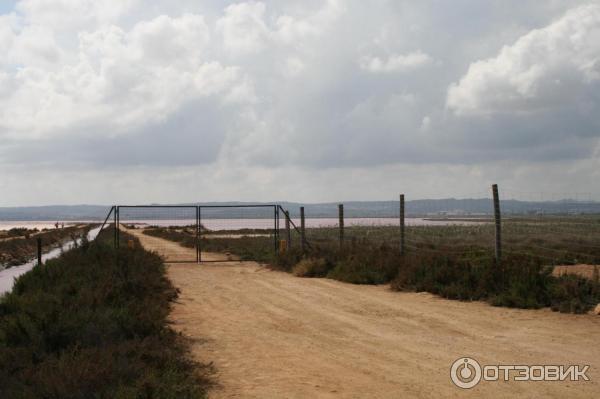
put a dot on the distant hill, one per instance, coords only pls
(55, 213)
(437, 207)
(443, 207)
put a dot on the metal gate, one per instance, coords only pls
(237, 232)
(170, 231)
(205, 233)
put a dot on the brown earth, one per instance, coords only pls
(586, 271)
(273, 335)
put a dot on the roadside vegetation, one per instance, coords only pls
(455, 262)
(17, 232)
(20, 245)
(93, 324)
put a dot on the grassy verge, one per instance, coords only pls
(17, 251)
(519, 281)
(92, 324)
(17, 232)
(451, 261)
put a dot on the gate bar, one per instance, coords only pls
(293, 225)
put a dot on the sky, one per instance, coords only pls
(155, 101)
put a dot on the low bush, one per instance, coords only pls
(447, 276)
(574, 294)
(92, 323)
(520, 281)
(368, 265)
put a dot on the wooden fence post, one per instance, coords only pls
(39, 250)
(276, 228)
(198, 234)
(118, 227)
(341, 221)
(288, 231)
(497, 221)
(402, 236)
(302, 229)
(115, 222)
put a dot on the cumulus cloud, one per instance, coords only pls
(243, 27)
(545, 68)
(290, 28)
(171, 40)
(245, 30)
(396, 62)
(31, 45)
(119, 80)
(64, 15)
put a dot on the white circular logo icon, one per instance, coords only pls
(465, 373)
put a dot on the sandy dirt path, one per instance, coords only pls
(272, 335)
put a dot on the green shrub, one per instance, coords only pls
(92, 323)
(365, 266)
(574, 294)
(450, 277)
(519, 281)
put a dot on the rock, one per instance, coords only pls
(597, 310)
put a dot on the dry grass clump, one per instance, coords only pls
(311, 267)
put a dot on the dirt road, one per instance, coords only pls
(272, 335)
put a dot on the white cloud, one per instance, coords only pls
(293, 67)
(396, 62)
(120, 81)
(171, 40)
(545, 68)
(290, 29)
(64, 15)
(32, 45)
(7, 32)
(426, 124)
(243, 27)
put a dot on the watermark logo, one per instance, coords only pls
(467, 373)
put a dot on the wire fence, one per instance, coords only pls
(555, 228)
(558, 229)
